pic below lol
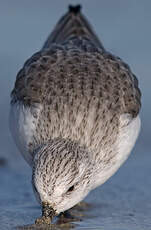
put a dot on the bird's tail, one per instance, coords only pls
(73, 23)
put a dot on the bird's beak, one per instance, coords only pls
(47, 214)
(47, 210)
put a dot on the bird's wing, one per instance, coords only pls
(73, 52)
(73, 23)
(80, 87)
(65, 70)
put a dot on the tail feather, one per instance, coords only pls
(73, 23)
(74, 9)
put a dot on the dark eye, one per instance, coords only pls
(71, 189)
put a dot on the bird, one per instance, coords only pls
(74, 114)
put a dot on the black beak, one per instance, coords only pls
(47, 210)
(47, 214)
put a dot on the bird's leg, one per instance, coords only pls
(47, 214)
(66, 217)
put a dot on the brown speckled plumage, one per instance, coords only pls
(82, 91)
(68, 80)
(71, 70)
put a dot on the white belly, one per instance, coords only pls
(22, 127)
(128, 133)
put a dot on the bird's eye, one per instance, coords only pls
(70, 189)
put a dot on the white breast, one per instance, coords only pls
(128, 133)
(22, 126)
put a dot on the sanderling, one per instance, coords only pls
(74, 114)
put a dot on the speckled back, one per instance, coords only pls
(82, 90)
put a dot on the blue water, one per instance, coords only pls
(124, 202)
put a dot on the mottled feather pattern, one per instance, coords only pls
(78, 89)
(63, 70)
(72, 24)
(75, 108)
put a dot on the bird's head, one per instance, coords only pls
(61, 175)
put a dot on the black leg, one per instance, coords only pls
(66, 217)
